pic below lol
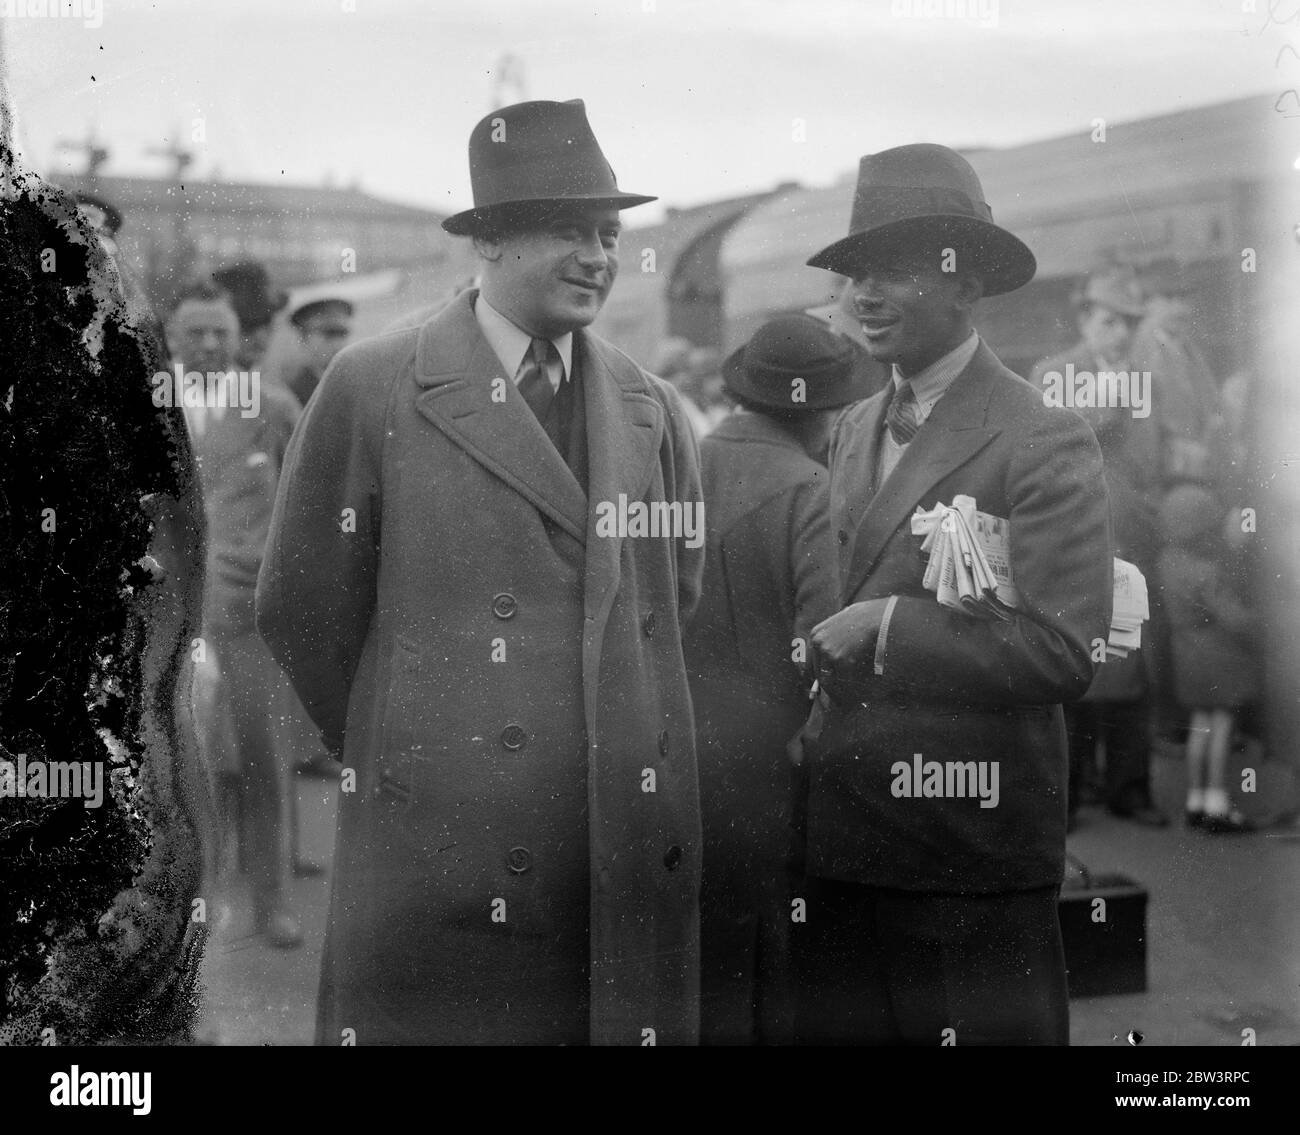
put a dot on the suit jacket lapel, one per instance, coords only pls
(854, 483)
(625, 426)
(955, 431)
(456, 369)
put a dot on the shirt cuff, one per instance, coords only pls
(884, 631)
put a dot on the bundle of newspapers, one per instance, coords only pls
(970, 570)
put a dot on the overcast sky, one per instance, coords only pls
(691, 100)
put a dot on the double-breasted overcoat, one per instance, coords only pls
(519, 859)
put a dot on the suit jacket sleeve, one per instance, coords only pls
(1062, 562)
(316, 590)
(682, 483)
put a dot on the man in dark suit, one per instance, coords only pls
(767, 581)
(935, 814)
(499, 663)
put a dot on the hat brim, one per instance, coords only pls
(466, 222)
(821, 395)
(1002, 260)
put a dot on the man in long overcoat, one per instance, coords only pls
(935, 825)
(768, 579)
(498, 660)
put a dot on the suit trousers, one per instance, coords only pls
(252, 698)
(877, 966)
(1125, 730)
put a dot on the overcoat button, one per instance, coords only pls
(648, 625)
(672, 857)
(663, 743)
(514, 737)
(519, 860)
(504, 605)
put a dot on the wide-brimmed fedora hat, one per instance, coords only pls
(249, 285)
(926, 193)
(537, 153)
(790, 347)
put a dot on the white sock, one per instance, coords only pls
(1216, 802)
(1196, 799)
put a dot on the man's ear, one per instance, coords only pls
(488, 247)
(970, 290)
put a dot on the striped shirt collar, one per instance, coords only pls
(930, 384)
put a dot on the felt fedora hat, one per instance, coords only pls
(926, 193)
(795, 347)
(537, 153)
(249, 285)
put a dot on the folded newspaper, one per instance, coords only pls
(970, 570)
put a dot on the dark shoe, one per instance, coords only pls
(307, 868)
(1234, 823)
(1193, 819)
(1146, 815)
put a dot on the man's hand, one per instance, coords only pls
(843, 646)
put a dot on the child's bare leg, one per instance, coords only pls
(1198, 747)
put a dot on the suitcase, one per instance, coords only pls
(1106, 940)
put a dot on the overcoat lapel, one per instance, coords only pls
(456, 368)
(625, 427)
(955, 432)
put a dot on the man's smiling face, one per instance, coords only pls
(911, 312)
(553, 277)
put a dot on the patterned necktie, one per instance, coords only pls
(535, 383)
(903, 416)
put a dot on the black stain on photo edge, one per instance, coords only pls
(99, 589)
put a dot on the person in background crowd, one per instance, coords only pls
(671, 363)
(702, 386)
(256, 304)
(1184, 388)
(106, 219)
(500, 667)
(239, 460)
(767, 581)
(933, 915)
(1214, 631)
(672, 359)
(1115, 715)
(323, 326)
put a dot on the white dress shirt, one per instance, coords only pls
(511, 344)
